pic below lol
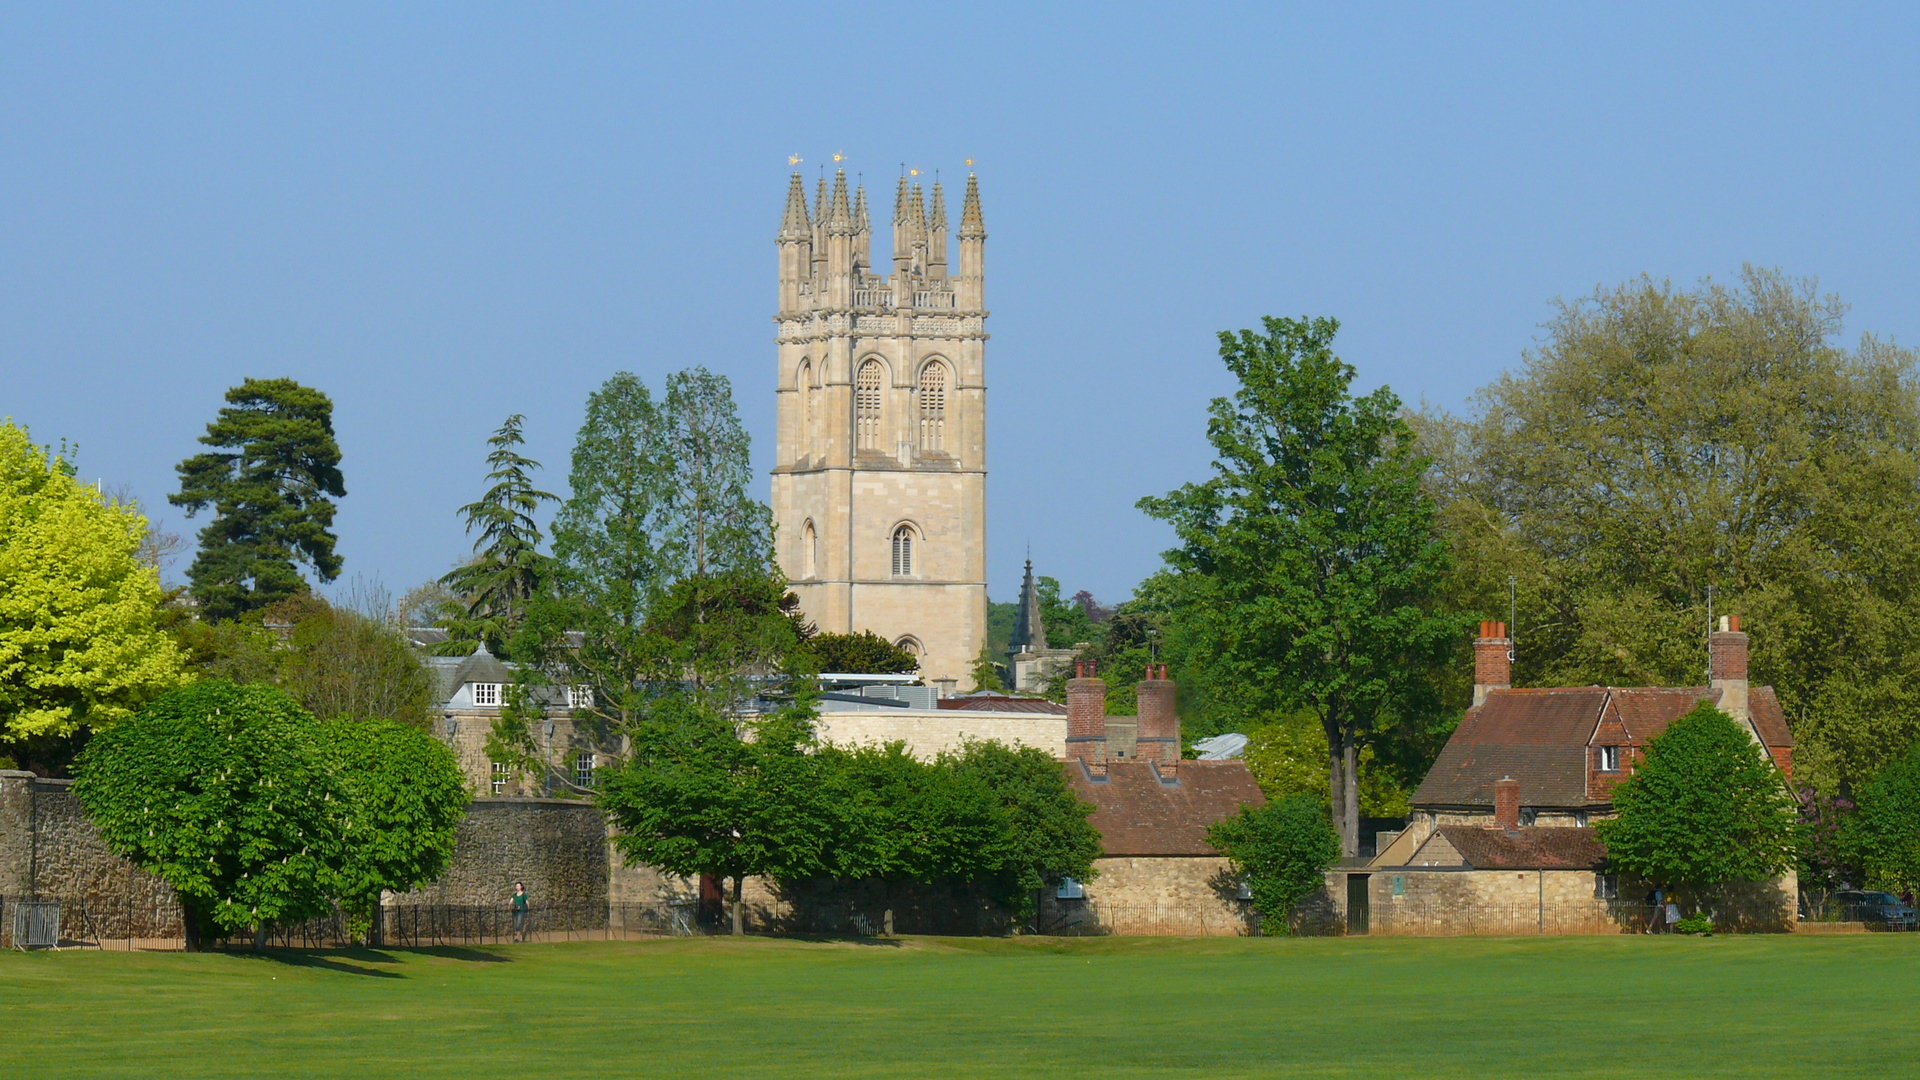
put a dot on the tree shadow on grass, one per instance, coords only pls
(461, 952)
(834, 939)
(328, 961)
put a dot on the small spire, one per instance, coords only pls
(900, 201)
(917, 213)
(1030, 629)
(820, 201)
(937, 213)
(861, 223)
(839, 215)
(972, 225)
(796, 225)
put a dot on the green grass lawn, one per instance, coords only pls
(1615, 1006)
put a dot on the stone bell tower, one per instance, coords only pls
(879, 485)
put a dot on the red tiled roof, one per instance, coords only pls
(995, 703)
(1464, 773)
(1527, 849)
(1646, 711)
(1138, 815)
(1768, 718)
(1540, 738)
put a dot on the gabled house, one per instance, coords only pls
(1501, 838)
(1158, 873)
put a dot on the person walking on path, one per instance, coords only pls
(1673, 914)
(520, 932)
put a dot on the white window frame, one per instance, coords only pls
(1609, 759)
(583, 769)
(486, 695)
(1069, 889)
(502, 776)
(579, 697)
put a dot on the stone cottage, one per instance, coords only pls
(1501, 838)
(1158, 874)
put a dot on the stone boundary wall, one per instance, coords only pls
(50, 851)
(558, 847)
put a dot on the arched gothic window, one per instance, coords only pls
(933, 407)
(809, 552)
(909, 645)
(812, 397)
(803, 385)
(903, 551)
(866, 406)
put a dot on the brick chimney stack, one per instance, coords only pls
(1727, 670)
(1158, 738)
(1492, 660)
(1087, 717)
(1506, 803)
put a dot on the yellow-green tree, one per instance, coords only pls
(79, 642)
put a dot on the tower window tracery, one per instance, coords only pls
(933, 408)
(903, 551)
(866, 406)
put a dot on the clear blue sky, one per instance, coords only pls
(442, 215)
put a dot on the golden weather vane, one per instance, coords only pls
(913, 172)
(838, 157)
(969, 163)
(793, 159)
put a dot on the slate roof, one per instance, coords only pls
(1002, 704)
(1137, 814)
(1541, 848)
(482, 667)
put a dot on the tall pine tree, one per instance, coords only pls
(271, 481)
(507, 570)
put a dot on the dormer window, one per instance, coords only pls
(1608, 758)
(486, 694)
(579, 697)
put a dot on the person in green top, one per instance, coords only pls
(519, 911)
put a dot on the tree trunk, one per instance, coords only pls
(1342, 786)
(1350, 798)
(739, 921)
(190, 925)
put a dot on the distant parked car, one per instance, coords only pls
(1875, 907)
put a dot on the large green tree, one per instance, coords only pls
(609, 569)
(1705, 808)
(1884, 835)
(346, 660)
(270, 480)
(1048, 835)
(713, 527)
(403, 798)
(1662, 442)
(1310, 560)
(707, 792)
(227, 794)
(1282, 850)
(79, 640)
(508, 569)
